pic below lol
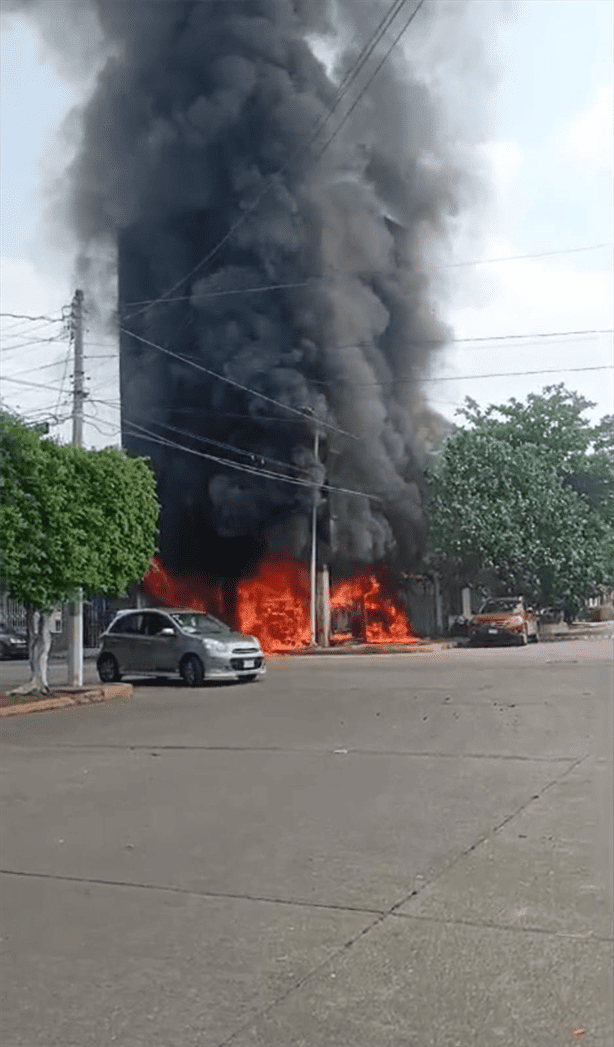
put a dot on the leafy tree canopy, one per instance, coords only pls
(524, 492)
(71, 518)
(552, 422)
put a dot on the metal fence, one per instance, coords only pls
(14, 614)
(96, 617)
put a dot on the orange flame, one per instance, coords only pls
(274, 605)
(383, 619)
(169, 590)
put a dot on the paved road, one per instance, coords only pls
(361, 851)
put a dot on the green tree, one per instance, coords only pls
(523, 492)
(69, 519)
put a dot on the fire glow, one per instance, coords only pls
(274, 605)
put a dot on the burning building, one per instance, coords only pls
(275, 274)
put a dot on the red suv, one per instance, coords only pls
(504, 618)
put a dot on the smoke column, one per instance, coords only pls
(198, 106)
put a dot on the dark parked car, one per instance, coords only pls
(12, 643)
(163, 641)
(552, 615)
(505, 618)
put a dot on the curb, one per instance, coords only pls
(418, 647)
(66, 697)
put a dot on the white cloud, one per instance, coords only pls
(532, 296)
(589, 135)
(28, 289)
(504, 161)
(529, 295)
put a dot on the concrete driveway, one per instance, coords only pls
(368, 850)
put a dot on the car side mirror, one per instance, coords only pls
(167, 631)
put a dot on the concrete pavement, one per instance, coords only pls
(377, 850)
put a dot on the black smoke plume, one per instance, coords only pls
(199, 124)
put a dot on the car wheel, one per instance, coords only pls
(192, 671)
(108, 669)
(2, 651)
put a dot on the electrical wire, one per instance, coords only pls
(214, 374)
(368, 83)
(231, 447)
(96, 422)
(32, 342)
(521, 257)
(402, 381)
(515, 374)
(420, 379)
(25, 316)
(154, 438)
(355, 274)
(35, 370)
(22, 381)
(23, 330)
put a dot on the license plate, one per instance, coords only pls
(249, 664)
(493, 631)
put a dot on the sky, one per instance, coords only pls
(549, 159)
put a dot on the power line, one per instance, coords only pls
(22, 381)
(369, 82)
(19, 329)
(231, 447)
(24, 316)
(309, 418)
(214, 374)
(341, 273)
(520, 257)
(514, 374)
(537, 334)
(154, 438)
(417, 379)
(96, 422)
(34, 370)
(437, 342)
(32, 342)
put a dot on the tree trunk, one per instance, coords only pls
(39, 641)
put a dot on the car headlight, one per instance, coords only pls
(216, 646)
(516, 619)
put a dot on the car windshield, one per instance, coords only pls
(502, 604)
(199, 623)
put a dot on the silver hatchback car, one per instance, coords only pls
(162, 641)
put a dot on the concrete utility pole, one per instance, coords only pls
(319, 577)
(314, 524)
(76, 316)
(323, 607)
(75, 614)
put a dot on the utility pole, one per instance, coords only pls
(75, 614)
(319, 578)
(314, 525)
(76, 316)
